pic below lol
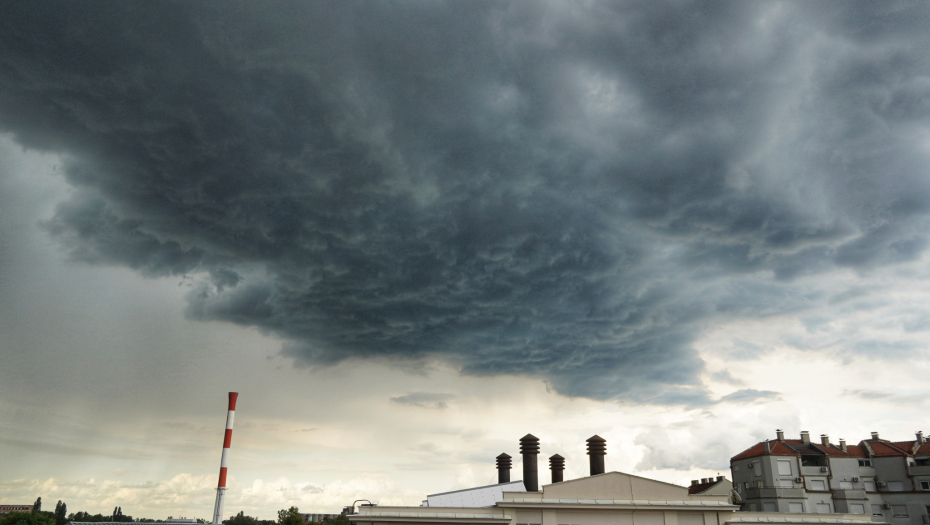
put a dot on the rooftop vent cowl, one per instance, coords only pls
(503, 468)
(597, 449)
(556, 465)
(529, 447)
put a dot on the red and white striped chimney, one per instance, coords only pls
(221, 486)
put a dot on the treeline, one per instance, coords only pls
(291, 516)
(61, 517)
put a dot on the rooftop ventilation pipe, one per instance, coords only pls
(529, 447)
(556, 465)
(597, 449)
(825, 440)
(503, 468)
(805, 436)
(780, 433)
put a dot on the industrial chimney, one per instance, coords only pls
(503, 468)
(529, 447)
(597, 448)
(556, 465)
(221, 486)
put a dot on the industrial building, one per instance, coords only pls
(6, 509)
(886, 480)
(603, 498)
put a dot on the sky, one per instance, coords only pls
(409, 233)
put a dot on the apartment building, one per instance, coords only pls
(889, 480)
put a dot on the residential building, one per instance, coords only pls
(889, 480)
(6, 509)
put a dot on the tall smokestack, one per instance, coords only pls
(597, 448)
(221, 486)
(529, 447)
(556, 465)
(503, 468)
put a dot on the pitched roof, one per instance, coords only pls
(924, 449)
(881, 448)
(701, 487)
(792, 447)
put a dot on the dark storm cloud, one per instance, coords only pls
(559, 190)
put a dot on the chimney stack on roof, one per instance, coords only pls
(556, 465)
(597, 449)
(805, 436)
(703, 481)
(780, 433)
(767, 446)
(843, 444)
(825, 440)
(719, 478)
(503, 468)
(694, 482)
(920, 437)
(529, 447)
(874, 435)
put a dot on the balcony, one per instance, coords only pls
(815, 471)
(915, 470)
(849, 494)
(775, 492)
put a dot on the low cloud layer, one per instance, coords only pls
(566, 192)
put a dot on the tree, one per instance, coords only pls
(37, 506)
(61, 510)
(290, 516)
(241, 519)
(26, 518)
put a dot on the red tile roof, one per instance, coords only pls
(701, 487)
(882, 448)
(924, 450)
(796, 447)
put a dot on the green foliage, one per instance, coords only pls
(338, 520)
(241, 519)
(26, 518)
(290, 516)
(61, 512)
(37, 506)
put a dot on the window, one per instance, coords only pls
(795, 507)
(818, 484)
(865, 462)
(769, 506)
(813, 461)
(823, 508)
(857, 508)
(784, 467)
(923, 462)
(925, 485)
(869, 485)
(899, 511)
(757, 468)
(876, 510)
(745, 486)
(895, 486)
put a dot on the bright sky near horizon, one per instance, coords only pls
(409, 233)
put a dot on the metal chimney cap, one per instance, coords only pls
(595, 437)
(529, 437)
(556, 456)
(503, 455)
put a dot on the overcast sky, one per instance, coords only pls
(408, 233)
